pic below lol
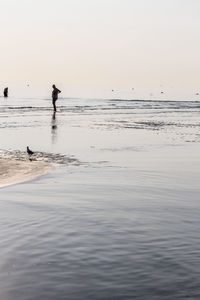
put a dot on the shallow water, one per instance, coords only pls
(122, 224)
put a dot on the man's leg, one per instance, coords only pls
(54, 105)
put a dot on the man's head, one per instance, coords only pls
(53, 86)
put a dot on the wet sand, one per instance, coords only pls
(15, 171)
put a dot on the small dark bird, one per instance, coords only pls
(29, 151)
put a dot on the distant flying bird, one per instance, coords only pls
(162, 92)
(29, 151)
(197, 94)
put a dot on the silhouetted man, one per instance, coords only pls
(5, 92)
(55, 93)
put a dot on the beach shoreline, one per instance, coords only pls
(14, 171)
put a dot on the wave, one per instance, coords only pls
(110, 105)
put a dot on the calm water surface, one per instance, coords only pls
(124, 224)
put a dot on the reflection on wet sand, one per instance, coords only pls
(54, 128)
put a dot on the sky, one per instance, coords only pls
(100, 45)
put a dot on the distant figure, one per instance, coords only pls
(55, 93)
(29, 151)
(5, 92)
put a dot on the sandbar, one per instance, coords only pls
(14, 171)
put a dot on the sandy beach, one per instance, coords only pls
(14, 171)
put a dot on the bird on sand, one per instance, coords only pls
(29, 151)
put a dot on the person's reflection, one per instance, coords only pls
(54, 128)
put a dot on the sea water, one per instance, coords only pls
(123, 222)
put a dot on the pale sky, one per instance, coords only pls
(100, 43)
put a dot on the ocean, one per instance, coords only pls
(120, 223)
